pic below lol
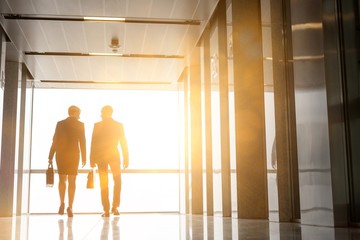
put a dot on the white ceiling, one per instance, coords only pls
(56, 51)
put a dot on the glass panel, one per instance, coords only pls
(232, 136)
(269, 112)
(140, 193)
(182, 207)
(151, 125)
(271, 156)
(215, 118)
(17, 162)
(26, 151)
(203, 125)
(150, 119)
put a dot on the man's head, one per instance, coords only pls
(74, 111)
(106, 111)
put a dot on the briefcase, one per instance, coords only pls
(91, 179)
(50, 176)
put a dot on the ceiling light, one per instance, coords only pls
(104, 19)
(106, 54)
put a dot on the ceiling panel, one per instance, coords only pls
(67, 7)
(66, 63)
(44, 67)
(55, 37)
(114, 8)
(155, 39)
(80, 65)
(98, 69)
(162, 8)
(75, 36)
(95, 37)
(114, 69)
(129, 73)
(36, 7)
(106, 68)
(134, 38)
(138, 8)
(89, 7)
(185, 9)
(52, 46)
(21, 6)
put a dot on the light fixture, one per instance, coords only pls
(45, 17)
(106, 54)
(114, 45)
(104, 19)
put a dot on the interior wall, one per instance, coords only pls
(315, 183)
(335, 96)
(349, 17)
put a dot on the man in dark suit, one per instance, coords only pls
(107, 135)
(68, 138)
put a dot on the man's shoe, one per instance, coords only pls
(105, 214)
(61, 209)
(115, 211)
(69, 212)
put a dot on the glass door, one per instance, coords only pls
(150, 118)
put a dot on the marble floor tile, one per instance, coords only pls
(161, 226)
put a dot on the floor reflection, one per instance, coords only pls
(110, 229)
(162, 226)
(68, 232)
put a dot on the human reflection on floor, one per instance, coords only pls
(68, 229)
(162, 226)
(105, 231)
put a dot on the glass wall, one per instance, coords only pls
(215, 118)
(213, 61)
(269, 111)
(150, 184)
(231, 110)
(27, 148)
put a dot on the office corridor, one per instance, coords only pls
(160, 226)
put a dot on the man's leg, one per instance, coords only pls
(116, 171)
(103, 175)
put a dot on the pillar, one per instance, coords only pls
(285, 124)
(251, 170)
(196, 134)
(8, 147)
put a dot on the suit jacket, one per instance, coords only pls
(107, 135)
(68, 138)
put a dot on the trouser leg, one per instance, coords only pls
(103, 175)
(115, 169)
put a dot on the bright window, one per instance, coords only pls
(151, 125)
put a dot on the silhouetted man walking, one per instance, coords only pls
(107, 135)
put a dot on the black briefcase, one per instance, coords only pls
(50, 176)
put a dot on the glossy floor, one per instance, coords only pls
(161, 226)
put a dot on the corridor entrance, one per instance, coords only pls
(150, 184)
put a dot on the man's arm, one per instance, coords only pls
(124, 148)
(92, 148)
